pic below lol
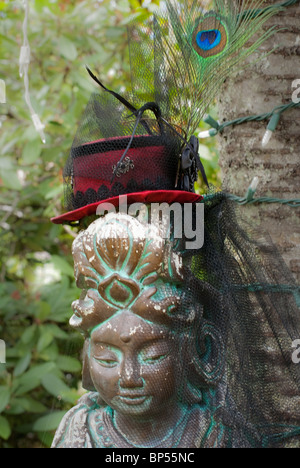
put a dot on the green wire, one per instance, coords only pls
(250, 199)
(274, 115)
(295, 203)
(277, 111)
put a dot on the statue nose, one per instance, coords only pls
(131, 374)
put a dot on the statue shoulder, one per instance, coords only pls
(73, 431)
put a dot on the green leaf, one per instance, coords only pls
(71, 396)
(68, 364)
(10, 179)
(54, 385)
(32, 378)
(113, 33)
(34, 406)
(3, 37)
(46, 438)
(50, 353)
(44, 310)
(62, 265)
(26, 403)
(5, 430)
(83, 82)
(45, 339)
(29, 334)
(50, 422)
(22, 365)
(26, 385)
(32, 151)
(4, 397)
(6, 162)
(54, 192)
(67, 48)
(57, 332)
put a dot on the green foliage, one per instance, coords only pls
(41, 378)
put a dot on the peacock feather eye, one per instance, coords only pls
(207, 40)
(210, 36)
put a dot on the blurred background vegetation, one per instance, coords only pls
(41, 378)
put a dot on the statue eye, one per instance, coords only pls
(154, 355)
(105, 357)
(155, 358)
(106, 362)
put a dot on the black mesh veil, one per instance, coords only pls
(255, 310)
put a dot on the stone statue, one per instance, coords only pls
(142, 361)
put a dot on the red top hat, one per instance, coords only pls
(144, 167)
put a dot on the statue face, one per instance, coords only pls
(133, 365)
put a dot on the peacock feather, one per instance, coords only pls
(184, 57)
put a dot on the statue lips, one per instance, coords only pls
(131, 398)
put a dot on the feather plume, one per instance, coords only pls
(184, 57)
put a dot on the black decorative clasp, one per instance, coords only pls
(190, 165)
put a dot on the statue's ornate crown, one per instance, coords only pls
(124, 263)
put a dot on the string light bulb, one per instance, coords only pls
(271, 128)
(211, 132)
(24, 62)
(252, 189)
(254, 184)
(208, 133)
(39, 126)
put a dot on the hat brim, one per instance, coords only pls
(158, 196)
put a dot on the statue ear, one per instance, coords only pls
(87, 382)
(208, 355)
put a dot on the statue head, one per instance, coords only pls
(133, 364)
(147, 342)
